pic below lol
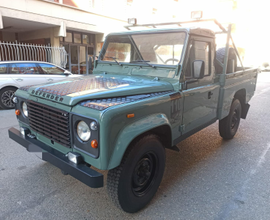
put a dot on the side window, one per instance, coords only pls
(14, 69)
(199, 50)
(3, 68)
(24, 68)
(51, 69)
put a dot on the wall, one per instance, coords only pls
(40, 34)
(51, 13)
(7, 36)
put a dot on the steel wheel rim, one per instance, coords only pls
(235, 119)
(6, 98)
(144, 174)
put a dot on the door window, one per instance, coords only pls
(74, 54)
(199, 50)
(82, 60)
(51, 69)
(24, 68)
(3, 68)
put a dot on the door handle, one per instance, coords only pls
(19, 79)
(210, 94)
(50, 80)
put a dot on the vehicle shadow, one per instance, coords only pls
(193, 150)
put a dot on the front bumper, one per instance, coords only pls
(81, 172)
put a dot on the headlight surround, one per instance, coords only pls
(24, 109)
(83, 131)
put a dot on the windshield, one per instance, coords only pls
(157, 48)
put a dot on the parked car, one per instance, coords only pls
(15, 74)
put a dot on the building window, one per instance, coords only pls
(85, 39)
(68, 38)
(77, 38)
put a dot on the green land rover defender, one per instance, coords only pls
(149, 90)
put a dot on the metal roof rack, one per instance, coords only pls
(179, 24)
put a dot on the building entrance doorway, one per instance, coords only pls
(80, 50)
(78, 58)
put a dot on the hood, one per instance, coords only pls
(72, 91)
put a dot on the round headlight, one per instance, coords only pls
(83, 131)
(24, 108)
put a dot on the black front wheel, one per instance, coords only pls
(229, 125)
(133, 184)
(6, 96)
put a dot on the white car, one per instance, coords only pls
(15, 74)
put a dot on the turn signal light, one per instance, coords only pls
(94, 144)
(17, 112)
(130, 115)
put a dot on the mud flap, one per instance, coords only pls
(245, 109)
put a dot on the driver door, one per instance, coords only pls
(200, 95)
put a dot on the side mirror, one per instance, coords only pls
(67, 73)
(198, 69)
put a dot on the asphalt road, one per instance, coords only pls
(208, 179)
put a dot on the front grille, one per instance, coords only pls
(49, 122)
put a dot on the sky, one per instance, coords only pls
(251, 19)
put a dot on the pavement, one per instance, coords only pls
(208, 179)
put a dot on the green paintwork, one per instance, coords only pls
(135, 129)
(184, 109)
(135, 85)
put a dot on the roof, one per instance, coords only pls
(24, 61)
(28, 61)
(197, 31)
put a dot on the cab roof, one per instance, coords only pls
(195, 31)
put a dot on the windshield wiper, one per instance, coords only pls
(143, 61)
(115, 59)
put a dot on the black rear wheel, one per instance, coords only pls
(133, 184)
(229, 125)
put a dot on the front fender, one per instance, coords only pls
(7, 82)
(130, 132)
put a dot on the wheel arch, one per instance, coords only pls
(9, 86)
(241, 96)
(160, 127)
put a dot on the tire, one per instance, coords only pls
(6, 95)
(135, 181)
(228, 126)
(220, 53)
